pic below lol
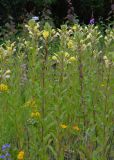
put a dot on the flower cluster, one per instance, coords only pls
(5, 152)
(33, 29)
(67, 58)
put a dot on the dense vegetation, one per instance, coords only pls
(57, 94)
(59, 8)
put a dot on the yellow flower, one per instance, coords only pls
(70, 44)
(20, 155)
(35, 114)
(3, 87)
(54, 58)
(74, 27)
(75, 127)
(72, 59)
(66, 54)
(31, 103)
(45, 34)
(9, 49)
(63, 126)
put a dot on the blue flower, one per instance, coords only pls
(5, 146)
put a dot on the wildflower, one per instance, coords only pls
(35, 18)
(63, 126)
(92, 21)
(74, 27)
(5, 146)
(3, 87)
(75, 127)
(45, 34)
(54, 58)
(31, 103)
(35, 114)
(20, 155)
(72, 59)
(70, 44)
(66, 54)
(2, 157)
(7, 154)
(105, 57)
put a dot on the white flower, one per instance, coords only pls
(36, 18)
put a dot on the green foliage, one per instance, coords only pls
(56, 93)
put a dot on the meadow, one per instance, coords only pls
(57, 94)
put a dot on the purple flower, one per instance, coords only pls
(5, 146)
(7, 154)
(2, 157)
(92, 21)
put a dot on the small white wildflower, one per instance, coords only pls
(36, 18)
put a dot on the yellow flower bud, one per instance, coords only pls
(66, 54)
(35, 114)
(54, 58)
(70, 44)
(72, 59)
(45, 34)
(63, 126)
(74, 27)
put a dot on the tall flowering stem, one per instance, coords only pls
(81, 78)
(70, 12)
(44, 66)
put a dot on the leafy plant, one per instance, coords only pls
(57, 101)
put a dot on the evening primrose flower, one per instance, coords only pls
(31, 103)
(75, 127)
(35, 114)
(72, 59)
(45, 34)
(3, 87)
(63, 126)
(20, 155)
(54, 58)
(74, 27)
(66, 54)
(70, 44)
